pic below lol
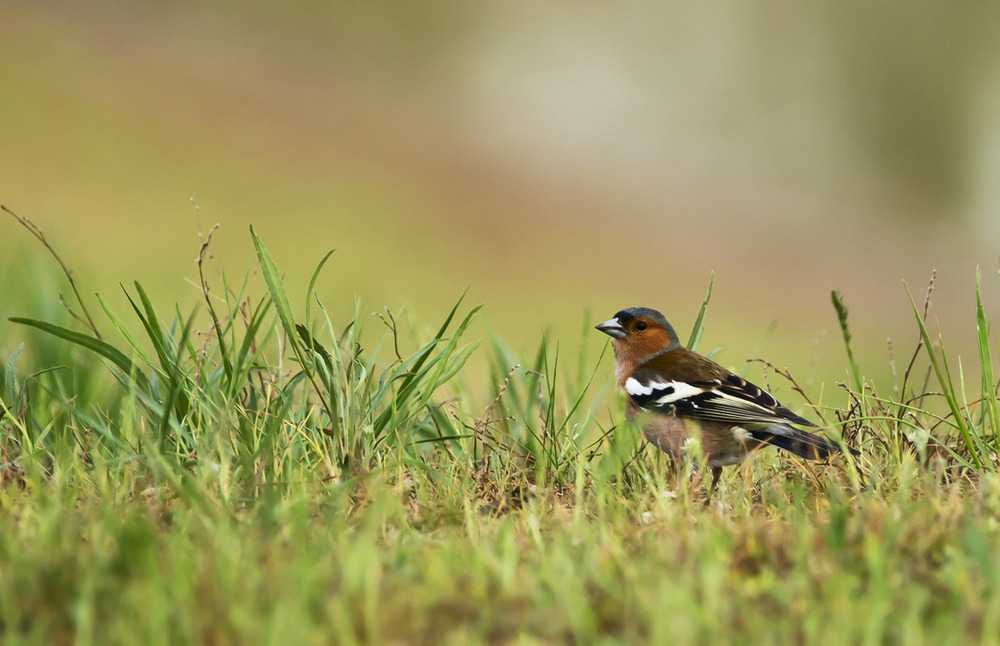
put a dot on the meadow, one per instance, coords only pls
(246, 472)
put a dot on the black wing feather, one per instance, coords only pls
(733, 400)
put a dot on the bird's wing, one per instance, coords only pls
(724, 397)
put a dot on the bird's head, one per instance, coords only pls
(639, 333)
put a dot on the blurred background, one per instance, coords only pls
(562, 160)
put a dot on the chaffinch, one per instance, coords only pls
(685, 393)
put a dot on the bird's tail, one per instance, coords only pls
(802, 444)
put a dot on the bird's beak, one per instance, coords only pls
(612, 328)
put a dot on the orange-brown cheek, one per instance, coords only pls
(650, 343)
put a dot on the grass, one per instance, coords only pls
(246, 473)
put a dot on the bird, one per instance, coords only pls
(679, 394)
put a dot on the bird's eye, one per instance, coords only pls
(641, 325)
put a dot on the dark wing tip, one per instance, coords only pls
(803, 444)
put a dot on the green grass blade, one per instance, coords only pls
(280, 299)
(133, 344)
(106, 350)
(411, 380)
(8, 378)
(575, 405)
(179, 388)
(244, 355)
(838, 304)
(939, 365)
(151, 323)
(312, 283)
(988, 391)
(277, 290)
(699, 322)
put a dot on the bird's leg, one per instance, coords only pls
(695, 483)
(716, 474)
(676, 473)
